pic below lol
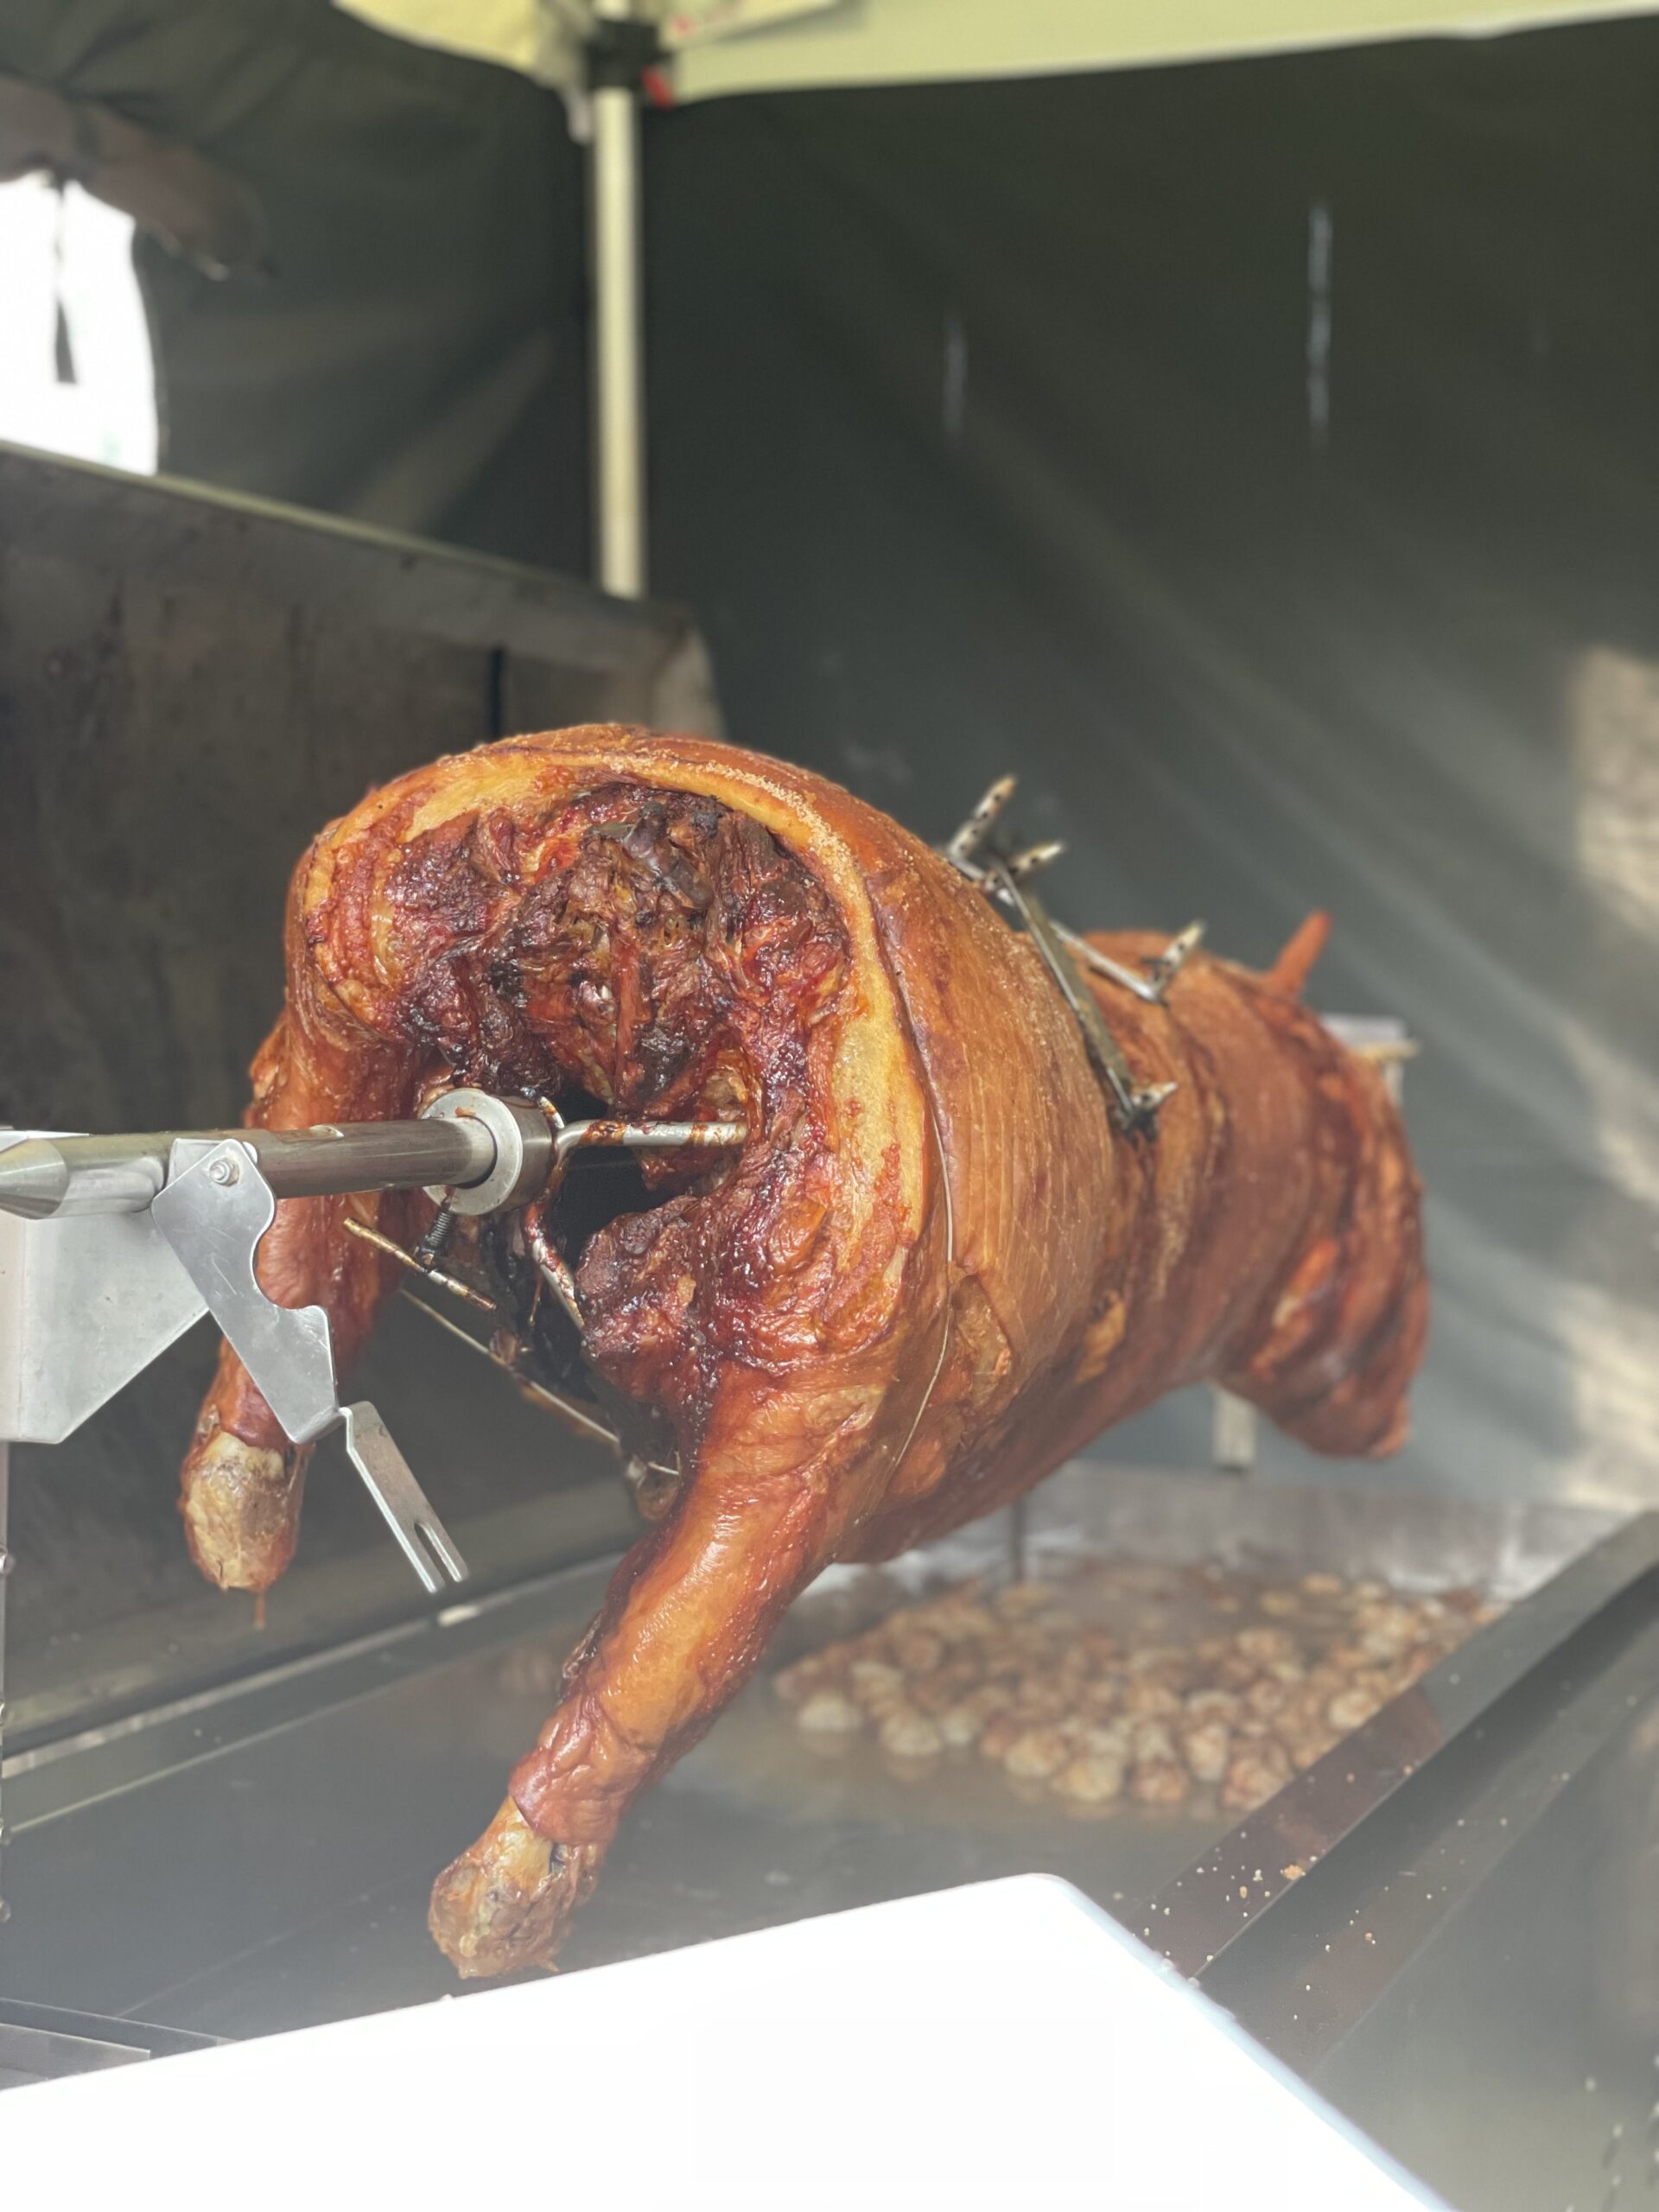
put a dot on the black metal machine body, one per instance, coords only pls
(224, 1828)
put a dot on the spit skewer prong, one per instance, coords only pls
(574, 1415)
(963, 850)
(215, 1210)
(417, 1266)
(975, 831)
(421, 1536)
(554, 1267)
(996, 885)
(568, 1409)
(645, 1478)
(1034, 858)
(1139, 987)
(648, 1136)
(187, 1212)
(572, 1137)
(1170, 961)
(1134, 1107)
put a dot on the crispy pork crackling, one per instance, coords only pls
(936, 1268)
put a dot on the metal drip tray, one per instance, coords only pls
(258, 1856)
(1464, 1965)
(39, 2042)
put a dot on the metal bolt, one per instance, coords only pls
(3, 1713)
(223, 1171)
(5, 1835)
(7, 1562)
(6, 1912)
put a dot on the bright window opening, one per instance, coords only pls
(75, 371)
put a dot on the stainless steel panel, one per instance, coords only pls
(1212, 1904)
(40, 2043)
(29, 2054)
(1473, 1975)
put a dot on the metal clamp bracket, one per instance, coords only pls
(1005, 877)
(213, 1211)
(1134, 1106)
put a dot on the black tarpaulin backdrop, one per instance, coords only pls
(416, 359)
(1258, 457)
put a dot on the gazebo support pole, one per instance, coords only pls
(619, 363)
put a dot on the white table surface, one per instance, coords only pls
(1005, 2044)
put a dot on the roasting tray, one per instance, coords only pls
(1414, 1541)
(257, 1856)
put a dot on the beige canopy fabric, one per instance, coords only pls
(528, 35)
(731, 46)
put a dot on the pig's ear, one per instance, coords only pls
(1291, 970)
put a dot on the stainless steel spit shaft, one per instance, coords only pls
(53, 1178)
(482, 1154)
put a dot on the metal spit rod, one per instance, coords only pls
(211, 1197)
(484, 1153)
(54, 1178)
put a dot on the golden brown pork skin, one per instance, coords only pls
(935, 1270)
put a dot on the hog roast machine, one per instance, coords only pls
(219, 1828)
(1443, 1924)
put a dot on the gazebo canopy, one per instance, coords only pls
(734, 46)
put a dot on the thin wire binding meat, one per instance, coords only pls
(934, 1270)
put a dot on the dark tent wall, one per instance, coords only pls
(1259, 457)
(415, 355)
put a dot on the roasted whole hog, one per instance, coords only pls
(939, 1264)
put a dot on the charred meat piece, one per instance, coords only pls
(936, 1268)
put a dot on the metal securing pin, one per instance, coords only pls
(1145, 1102)
(1034, 858)
(1162, 971)
(975, 831)
(416, 1265)
(998, 877)
(1134, 1107)
(555, 1269)
(581, 1417)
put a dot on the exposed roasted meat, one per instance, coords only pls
(936, 1268)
